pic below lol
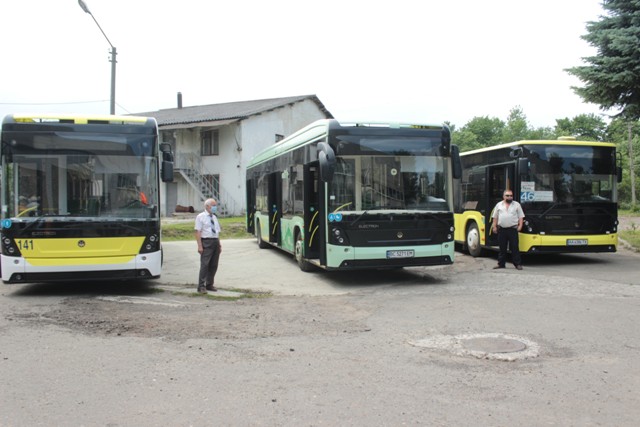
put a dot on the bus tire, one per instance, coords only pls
(261, 243)
(473, 240)
(299, 248)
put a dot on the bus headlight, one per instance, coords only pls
(528, 226)
(151, 244)
(9, 248)
(338, 236)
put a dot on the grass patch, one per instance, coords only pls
(627, 212)
(632, 237)
(232, 228)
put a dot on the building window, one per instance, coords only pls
(210, 140)
(279, 137)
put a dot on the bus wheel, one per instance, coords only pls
(261, 243)
(302, 263)
(473, 240)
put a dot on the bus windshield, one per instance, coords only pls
(389, 182)
(569, 174)
(74, 175)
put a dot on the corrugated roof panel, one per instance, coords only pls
(225, 111)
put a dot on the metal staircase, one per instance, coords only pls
(190, 167)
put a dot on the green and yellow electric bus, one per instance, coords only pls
(352, 196)
(81, 197)
(567, 188)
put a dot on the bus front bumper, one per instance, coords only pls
(568, 243)
(141, 266)
(347, 257)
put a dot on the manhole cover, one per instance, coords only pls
(493, 345)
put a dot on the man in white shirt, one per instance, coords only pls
(507, 223)
(208, 238)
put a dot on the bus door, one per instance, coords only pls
(313, 218)
(251, 205)
(500, 178)
(275, 206)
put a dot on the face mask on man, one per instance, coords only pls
(214, 209)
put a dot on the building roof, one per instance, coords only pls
(224, 113)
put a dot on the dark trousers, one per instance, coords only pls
(208, 262)
(508, 236)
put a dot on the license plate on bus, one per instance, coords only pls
(401, 254)
(577, 242)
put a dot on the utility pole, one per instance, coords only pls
(113, 59)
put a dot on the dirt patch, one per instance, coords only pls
(629, 222)
(242, 319)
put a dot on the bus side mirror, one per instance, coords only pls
(167, 162)
(619, 174)
(167, 171)
(327, 160)
(456, 163)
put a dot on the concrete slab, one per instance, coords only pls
(244, 266)
(189, 291)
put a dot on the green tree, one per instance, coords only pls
(486, 131)
(612, 77)
(479, 132)
(466, 140)
(541, 133)
(587, 127)
(517, 127)
(618, 132)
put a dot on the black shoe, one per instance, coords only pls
(498, 266)
(212, 288)
(202, 291)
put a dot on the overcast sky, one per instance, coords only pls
(420, 61)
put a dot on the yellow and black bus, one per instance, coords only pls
(346, 196)
(81, 197)
(567, 189)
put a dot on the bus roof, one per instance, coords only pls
(319, 128)
(74, 119)
(559, 141)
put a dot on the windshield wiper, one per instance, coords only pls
(359, 217)
(550, 207)
(433, 216)
(36, 220)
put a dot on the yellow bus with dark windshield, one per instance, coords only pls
(81, 197)
(567, 189)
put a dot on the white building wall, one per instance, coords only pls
(259, 132)
(238, 143)
(187, 144)
(227, 166)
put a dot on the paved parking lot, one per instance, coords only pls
(554, 344)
